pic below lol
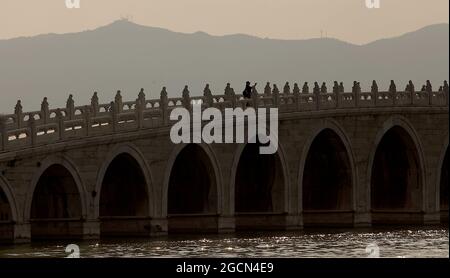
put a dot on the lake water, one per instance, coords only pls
(401, 242)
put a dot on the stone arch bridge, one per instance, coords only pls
(344, 159)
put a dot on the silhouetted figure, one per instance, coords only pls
(323, 88)
(18, 108)
(410, 87)
(141, 97)
(441, 89)
(247, 93)
(275, 90)
(356, 87)
(118, 101)
(374, 88)
(316, 89)
(429, 88)
(94, 103)
(94, 99)
(424, 89)
(185, 93)
(445, 86)
(267, 89)
(118, 97)
(207, 95)
(296, 89)
(207, 92)
(163, 94)
(287, 89)
(70, 104)
(392, 87)
(305, 88)
(44, 104)
(228, 90)
(185, 97)
(336, 87)
(341, 87)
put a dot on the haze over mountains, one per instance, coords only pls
(127, 56)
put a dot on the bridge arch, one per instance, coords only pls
(8, 211)
(124, 193)
(442, 176)
(329, 141)
(397, 143)
(210, 158)
(69, 166)
(280, 186)
(8, 194)
(58, 187)
(192, 189)
(135, 156)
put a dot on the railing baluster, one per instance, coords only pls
(3, 133)
(158, 110)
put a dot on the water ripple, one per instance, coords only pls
(397, 243)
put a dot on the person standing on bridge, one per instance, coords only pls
(247, 93)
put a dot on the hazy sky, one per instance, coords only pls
(348, 20)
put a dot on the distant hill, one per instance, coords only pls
(127, 56)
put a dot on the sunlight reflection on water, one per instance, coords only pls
(312, 244)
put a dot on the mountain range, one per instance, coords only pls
(126, 56)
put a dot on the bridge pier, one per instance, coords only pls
(200, 223)
(159, 227)
(268, 221)
(226, 224)
(294, 222)
(91, 229)
(444, 217)
(362, 220)
(21, 232)
(432, 218)
(328, 218)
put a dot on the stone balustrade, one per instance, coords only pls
(27, 129)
